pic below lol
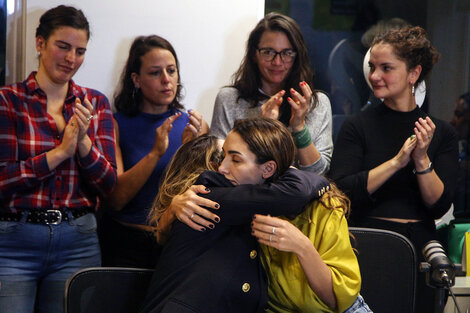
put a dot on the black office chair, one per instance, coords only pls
(106, 290)
(389, 268)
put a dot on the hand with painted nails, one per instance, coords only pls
(403, 156)
(188, 208)
(270, 109)
(300, 105)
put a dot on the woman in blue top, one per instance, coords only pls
(151, 125)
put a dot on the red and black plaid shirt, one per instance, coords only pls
(27, 132)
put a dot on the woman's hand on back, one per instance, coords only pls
(300, 104)
(188, 208)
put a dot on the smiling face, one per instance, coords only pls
(239, 165)
(273, 73)
(157, 80)
(62, 54)
(389, 76)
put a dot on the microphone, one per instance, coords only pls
(441, 269)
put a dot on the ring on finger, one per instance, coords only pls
(274, 230)
(192, 216)
(89, 118)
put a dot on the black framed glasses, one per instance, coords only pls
(269, 54)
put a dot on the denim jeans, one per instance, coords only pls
(359, 306)
(37, 259)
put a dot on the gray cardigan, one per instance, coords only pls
(229, 108)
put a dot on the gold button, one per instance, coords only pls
(253, 254)
(246, 287)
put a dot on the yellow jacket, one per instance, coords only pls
(289, 290)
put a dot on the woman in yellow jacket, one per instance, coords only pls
(309, 260)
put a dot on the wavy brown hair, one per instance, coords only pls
(247, 79)
(190, 160)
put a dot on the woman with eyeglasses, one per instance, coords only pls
(275, 80)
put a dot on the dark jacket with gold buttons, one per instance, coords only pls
(219, 270)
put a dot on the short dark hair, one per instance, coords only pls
(127, 100)
(61, 16)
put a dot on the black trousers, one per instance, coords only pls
(123, 246)
(419, 234)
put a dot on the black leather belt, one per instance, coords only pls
(53, 217)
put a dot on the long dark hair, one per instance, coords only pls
(61, 16)
(128, 99)
(247, 79)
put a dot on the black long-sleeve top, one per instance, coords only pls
(373, 137)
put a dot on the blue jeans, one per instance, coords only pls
(359, 306)
(37, 259)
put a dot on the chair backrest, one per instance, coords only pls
(389, 268)
(106, 289)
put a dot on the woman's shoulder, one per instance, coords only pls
(228, 92)
(322, 97)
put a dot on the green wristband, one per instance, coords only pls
(302, 138)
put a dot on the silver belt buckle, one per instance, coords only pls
(59, 216)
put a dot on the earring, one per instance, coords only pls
(134, 94)
(413, 90)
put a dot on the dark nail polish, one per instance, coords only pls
(211, 226)
(217, 206)
(203, 229)
(207, 189)
(254, 217)
(217, 219)
(252, 231)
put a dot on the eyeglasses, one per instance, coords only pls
(269, 54)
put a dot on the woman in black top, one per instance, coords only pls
(397, 165)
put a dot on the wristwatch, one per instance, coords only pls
(428, 170)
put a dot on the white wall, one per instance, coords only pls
(209, 37)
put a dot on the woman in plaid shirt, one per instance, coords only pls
(57, 159)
